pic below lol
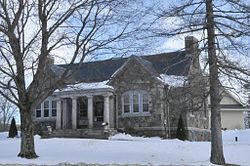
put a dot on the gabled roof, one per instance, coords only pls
(175, 63)
(148, 66)
(235, 103)
(236, 97)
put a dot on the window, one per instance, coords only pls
(82, 106)
(135, 102)
(38, 111)
(53, 108)
(126, 108)
(46, 109)
(145, 103)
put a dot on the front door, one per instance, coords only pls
(98, 106)
(82, 112)
(66, 113)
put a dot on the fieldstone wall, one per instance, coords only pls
(176, 99)
(188, 102)
(42, 127)
(199, 134)
(198, 107)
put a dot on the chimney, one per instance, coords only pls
(191, 44)
(192, 48)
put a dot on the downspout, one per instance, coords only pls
(166, 116)
(116, 111)
(168, 113)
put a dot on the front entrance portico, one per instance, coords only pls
(84, 111)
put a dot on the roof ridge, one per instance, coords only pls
(123, 58)
(176, 62)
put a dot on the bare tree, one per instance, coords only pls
(7, 111)
(31, 31)
(224, 32)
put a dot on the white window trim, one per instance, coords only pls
(131, 112)
(50, 110)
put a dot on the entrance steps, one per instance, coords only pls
(78, 133)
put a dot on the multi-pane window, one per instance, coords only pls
(135, 102)
(46, 109)
(39, 111)
(53, 108)
(145, 103)
(126, 108)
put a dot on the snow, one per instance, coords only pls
(125, 149)
(86, 86)
(173, 80)
(127, 137)
(238, 97)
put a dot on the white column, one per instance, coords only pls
(64, 111)
(74, 112)
(90, 111)
(111, 112)
(106, 111)
(58, 114)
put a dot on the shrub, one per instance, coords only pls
(13, 129)
(181, 134)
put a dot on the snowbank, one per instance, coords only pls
(127, 137)
(125, 149)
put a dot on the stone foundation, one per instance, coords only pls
(42, 128)
(193, 134)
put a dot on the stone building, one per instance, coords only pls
(141, 95)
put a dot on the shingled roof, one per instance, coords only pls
(175, 63)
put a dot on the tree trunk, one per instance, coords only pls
(27, 139)
(217, 156)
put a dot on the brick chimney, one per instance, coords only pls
(192, 48)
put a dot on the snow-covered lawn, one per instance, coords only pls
(124, 149)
